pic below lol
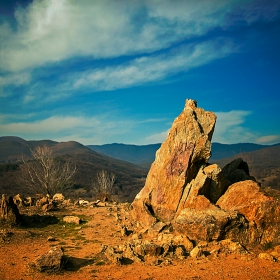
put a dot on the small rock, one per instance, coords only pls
(101, 204)
(276, 255)
(72, 219)
(136, 236)
(48, 207)
(58, 197)
(158, 227)
(179, 252)
(196, 252)
(152, 249)
(83, 202)
(266, 256)
(51, 239)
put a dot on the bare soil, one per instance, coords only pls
(20, 246)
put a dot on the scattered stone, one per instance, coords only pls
(58, 197)
(72, 219)
(51, 239)
(48, 207)
(50, 261)
(180, 252)
(197, 252)
(101, 204)
(266, 256)
(42, 200)
(276, 255)
(151, 249)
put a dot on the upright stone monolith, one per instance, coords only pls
(186, 150)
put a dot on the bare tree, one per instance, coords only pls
(104, 186)
(46, 172)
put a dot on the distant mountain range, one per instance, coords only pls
(130, 163)
(263, 160)
(145, 155)
(130, 177)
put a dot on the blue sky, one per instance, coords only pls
(120, 71)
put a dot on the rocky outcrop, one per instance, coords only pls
(199, 200)
(185, 151)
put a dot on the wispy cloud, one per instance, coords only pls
(153, 68)
(87, 130)
(49, 31)
(14, 80)
(230, 127)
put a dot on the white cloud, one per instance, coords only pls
(229, 127)
(153, 68)
(87, 130)
(268, 139)
(53, 30)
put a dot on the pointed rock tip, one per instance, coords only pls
(191, 103)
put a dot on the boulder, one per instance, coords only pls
(237, 170)
(177, 162)
(209, 224)
(50, 261)
(9, 212)
(261, 210)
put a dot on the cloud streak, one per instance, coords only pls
(49, 31)
(154, 68)
(84, 129)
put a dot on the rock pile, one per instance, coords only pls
(166, 249)
(201, 200)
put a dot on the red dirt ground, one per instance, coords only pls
(21, 246)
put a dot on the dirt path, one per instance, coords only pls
(102, 225)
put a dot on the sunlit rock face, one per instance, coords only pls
(186, 150)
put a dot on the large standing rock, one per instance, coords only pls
(9, 211)
(261, 210)
(185, 151)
